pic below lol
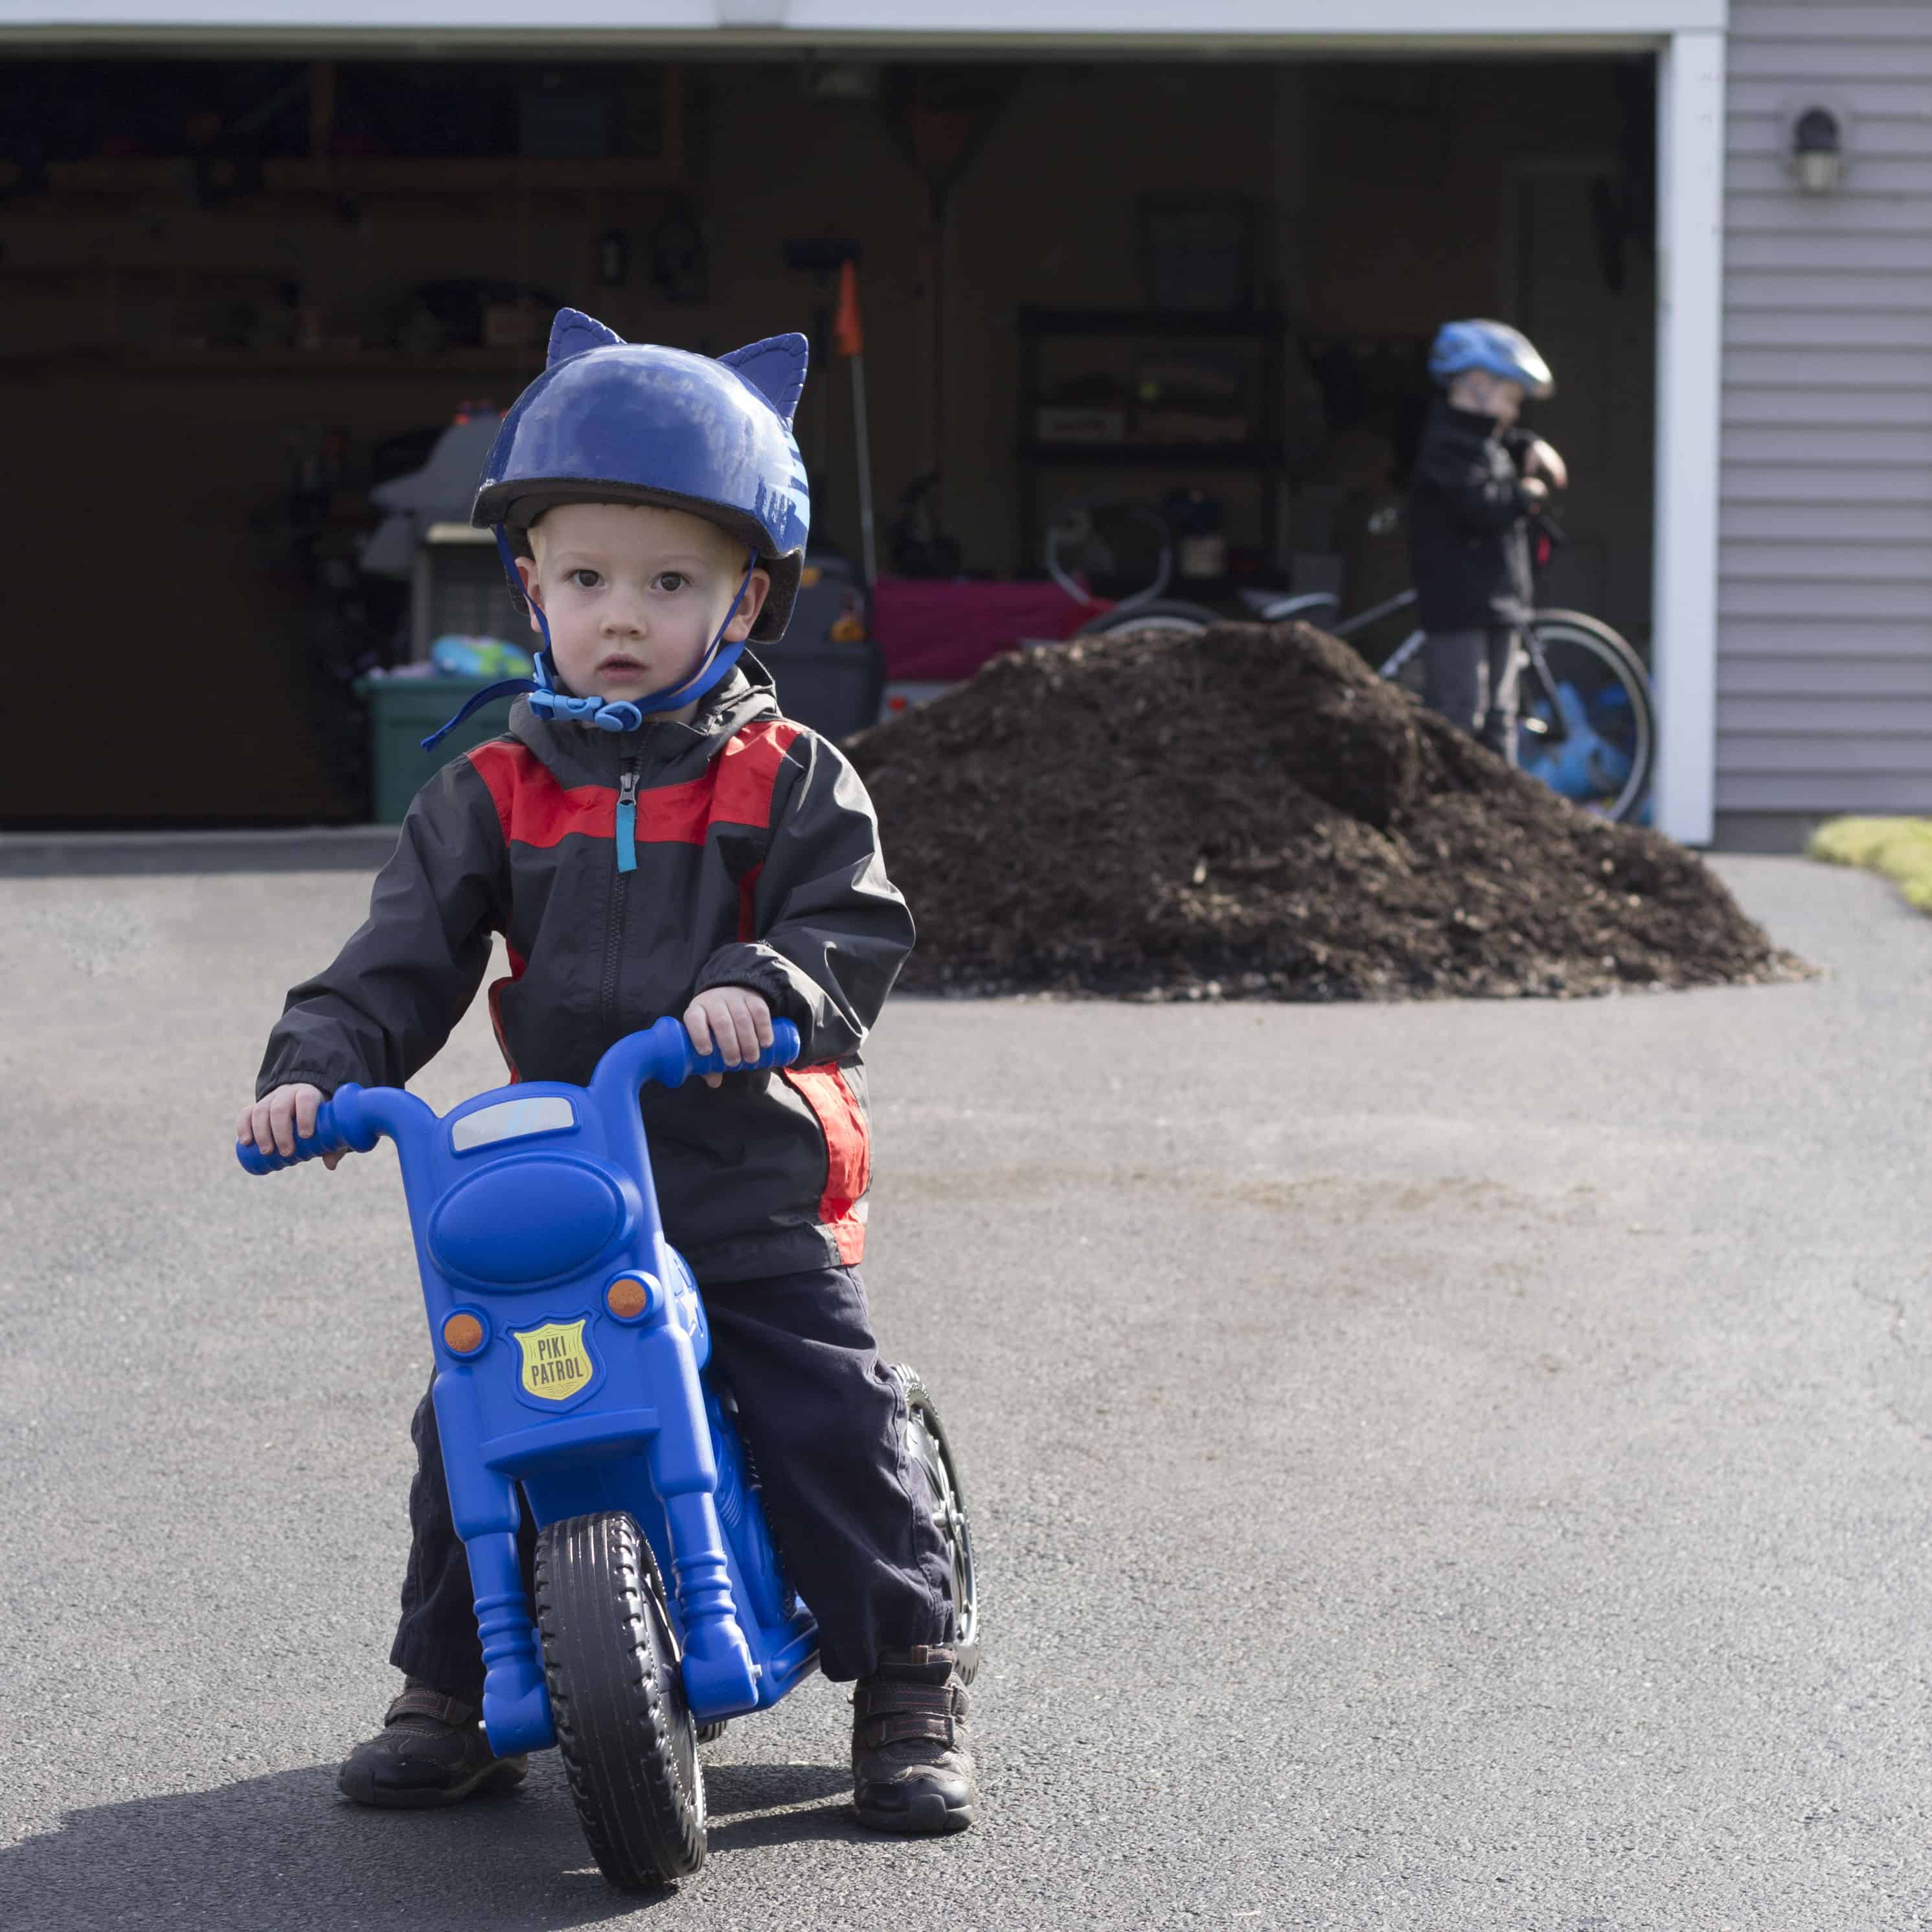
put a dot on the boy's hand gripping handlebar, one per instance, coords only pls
(663, 1053)
(339, 1128)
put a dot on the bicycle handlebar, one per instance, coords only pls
(782, 1051)
(339, 1129)
(1077, 525)
(356, 1117)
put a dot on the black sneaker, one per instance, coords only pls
(912, 1759)
(430, 1751)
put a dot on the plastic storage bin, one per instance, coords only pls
(403, 711)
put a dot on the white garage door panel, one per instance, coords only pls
(1021, 20)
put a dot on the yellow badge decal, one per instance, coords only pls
(556, 1362)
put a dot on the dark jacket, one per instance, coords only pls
(757, 865)
(1468, 540)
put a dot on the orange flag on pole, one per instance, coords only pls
(846, 331)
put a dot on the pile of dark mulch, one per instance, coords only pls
(1252, 812)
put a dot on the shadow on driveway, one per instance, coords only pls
(285, 1851)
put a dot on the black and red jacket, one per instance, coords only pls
(1469, 527)
(756, 864)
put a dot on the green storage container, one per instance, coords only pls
(403, 711)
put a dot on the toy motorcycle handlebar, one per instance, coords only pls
(355, 1117)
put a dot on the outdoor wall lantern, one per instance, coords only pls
(1818, 150)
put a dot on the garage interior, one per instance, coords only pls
(239, 292)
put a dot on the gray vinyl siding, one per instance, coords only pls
(1825, 553)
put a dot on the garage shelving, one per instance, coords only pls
(1259, 454)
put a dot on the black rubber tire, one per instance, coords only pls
(1563, 630)
(1161, 614)
(616, 1693)
(1572, 630)
(925, 1439)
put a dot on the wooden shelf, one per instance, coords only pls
(367, 174)
(227, 363)
(1152, 455)
(1161, 322)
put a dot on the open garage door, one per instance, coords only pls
(241, 294)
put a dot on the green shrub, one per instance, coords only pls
(1900, 848)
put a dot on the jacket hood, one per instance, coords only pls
(666, 751)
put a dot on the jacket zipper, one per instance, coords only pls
(627, 818)
(627, 864)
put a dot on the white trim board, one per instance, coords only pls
(1690, 339)
(1025, 22)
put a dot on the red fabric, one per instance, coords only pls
(848, 334)
(736, 790)
(747, 897)
(945, 628)
(746, 771)
(517, 962)
(533, 808)
(848, 1154)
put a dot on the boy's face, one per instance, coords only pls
(634, 594)
(1486, 395)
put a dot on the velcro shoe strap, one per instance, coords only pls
(420, 1701)
(892, 1713)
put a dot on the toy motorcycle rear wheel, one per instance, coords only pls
(617, 1692)
(926, 1437)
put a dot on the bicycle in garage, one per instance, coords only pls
(1586, 724)
(1587, 721)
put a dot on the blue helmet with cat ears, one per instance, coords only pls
(613, 421)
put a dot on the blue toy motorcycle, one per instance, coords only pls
(570, 1341)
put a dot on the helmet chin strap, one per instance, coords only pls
(623, 714)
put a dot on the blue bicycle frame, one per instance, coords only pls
(570, 1342)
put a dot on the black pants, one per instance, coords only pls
(827, 1427)
(1470, 677)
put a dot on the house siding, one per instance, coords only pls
(1824, 698)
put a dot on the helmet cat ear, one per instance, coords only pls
(573, 332)
(776, 369)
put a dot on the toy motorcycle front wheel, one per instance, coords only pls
(617, 1692)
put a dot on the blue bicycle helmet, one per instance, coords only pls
(613, 421)
(1495, 347)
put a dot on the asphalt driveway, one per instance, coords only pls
(1456, 1465)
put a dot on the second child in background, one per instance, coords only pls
(1478, 480)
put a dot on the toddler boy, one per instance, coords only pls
(1477, 480)
(653, 836)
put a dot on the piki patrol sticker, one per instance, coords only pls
(556, 1362)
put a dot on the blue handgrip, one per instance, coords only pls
(782, 1051)
(339, 1129)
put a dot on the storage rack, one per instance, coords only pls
(1261, 455)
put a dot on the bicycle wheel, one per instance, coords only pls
(1587, 726)
(1167, 614)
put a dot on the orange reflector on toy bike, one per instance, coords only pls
(629, 1298)
(463, 1334)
